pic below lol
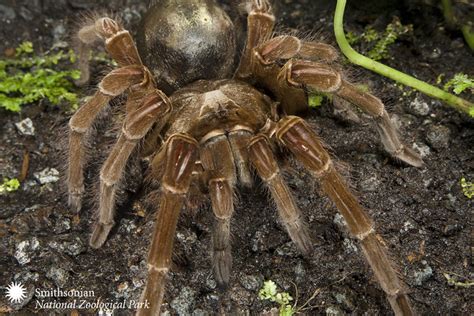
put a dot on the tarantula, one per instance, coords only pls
(207, 122)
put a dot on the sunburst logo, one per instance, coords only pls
(16, 292)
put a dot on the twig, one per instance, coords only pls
(384, 70)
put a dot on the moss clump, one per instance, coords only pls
(269, 292)
(27, 78)
(459, 83)
(380, 43)
(9, 185)
(467, 188)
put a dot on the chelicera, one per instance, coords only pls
(206, 121)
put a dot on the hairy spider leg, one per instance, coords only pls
(112, 85)
(260, 24)
(120, 46)
(144, 109)
(217, 159)
(319, 77)
(118, 43)
(181, 154)
(299, 138)
(262, 158)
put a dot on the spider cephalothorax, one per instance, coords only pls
(205, 125)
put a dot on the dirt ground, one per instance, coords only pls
(422, 214)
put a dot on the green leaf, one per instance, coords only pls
(467, 188)
(27, 79)
(9, 185)
(459, 83)
(24, 48)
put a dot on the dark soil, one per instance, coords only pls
(422, 214)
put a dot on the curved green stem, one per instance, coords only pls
(456, 102)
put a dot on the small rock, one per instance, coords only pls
(300, 272)
(287, 250)
(349, 245)
(211, 283)
(451, 229)
(422, 149)
(74, 247)
(7, 13)
(26, 127)
(371, 184)
(200, 312)
(62, 225)
(438, 137)
(340, 222)
(408, 225)
(334, 311)
(184, 302)
(435, 53)
(344, 300)
(122, 286)
(250, 282)
(58, 275)
(418, 107)
(423, 275)
(25, 249)
(47, 175)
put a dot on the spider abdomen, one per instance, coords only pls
(184, 41)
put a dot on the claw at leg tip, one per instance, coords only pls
(99, 235)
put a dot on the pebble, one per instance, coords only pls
(7, 13)
(349, 245)
(58, 275)
(287, 250)
(47, 175)
(423, 275)
(419, 107)
(26, 127)
(70, 247)
(300, 272)
(184, 302)
(251, 282)
(334, 311)
(25, 249)
(423, 149)
(371, 184)
(438, 137)
(344, 300)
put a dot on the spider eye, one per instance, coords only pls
(182, 41)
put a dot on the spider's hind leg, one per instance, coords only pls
(298, 137)
(305, 73)
(323, 78)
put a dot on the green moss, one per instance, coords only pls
(459, 83)
(269, 292)
(315, 100)
(9, 185)
(467, 188)
(380, 43)
(28, 78)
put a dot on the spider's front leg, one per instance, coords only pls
(118, 43)
(221, 179)
(144, 108)
(120, 46)
(181, 154)
(112, 85)
(307, 74)
(260, 23)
